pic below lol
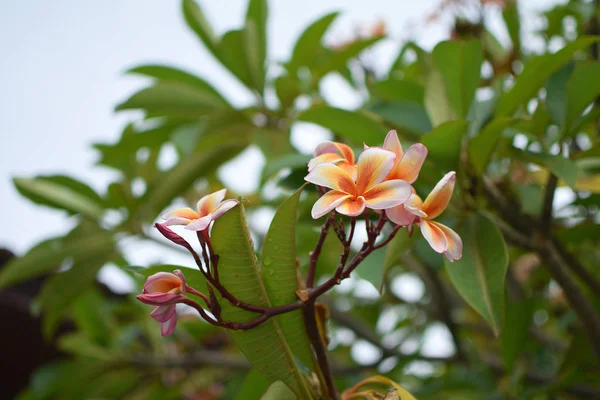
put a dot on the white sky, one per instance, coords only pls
(61, 76)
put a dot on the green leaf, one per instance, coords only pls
(479, 275)
(48, 255)
(399, 90)
(165, 73)
(265, 346)
(172, 99)
(460, 66)
(582, 88)
(356, 126)
(403, 114)
(62, 192)
(280, 276)
(444, 143)
(535, 74)
(61, 290)
(308, 46)
(337, 59)
(197, 21)
(436, 101)
(564, 168)
(233, 54)
(173, 183)
(510, 14)
(556, 93)
(255, 39)
(278, 391)
(482, 146)
(516, 331)
(255, 384)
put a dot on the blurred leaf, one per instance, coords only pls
(280, 275)
(165, 73)
(355, 126)
(197, 21)
(48, 256)
(510, 14)
(234, 55)
(516, 330)
(79, 344)
(308, 46)
(482, 146)
(535, 74)
(460, 66)
(172, 99)
(444, 143)
(255, 39)
(531, 199)
(255, 384)
(372, 267)
(61, 290)
(479, 275)
(556, 93)
(62, 192)
(582, 88)
(436, 102)
(337, 58)
(264, 346)
(288, 89)
(403, 114)
(291, 160)
(399, 90)
(90, 316)
(564, 168)
(278, 391)
(579, 233)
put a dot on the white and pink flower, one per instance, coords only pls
(208, 209)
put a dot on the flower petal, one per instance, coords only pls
(374, 164)
(388, 194)
(352, 207)
(223, 208)
(327, 158)
(200, 224)
(455, 245)
(162, 282)
(160, 299)
(414, 204)
(328, 202)
(208, 203)
(333, 177)
(410, 164)
(400, 216)
(177, 221)
(335, 147)
(438, 199)
(434, 236)
(180, 275)
(392, 143)
(185, 213)
(167, 327)
(163, 313)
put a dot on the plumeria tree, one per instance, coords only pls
(470, 170)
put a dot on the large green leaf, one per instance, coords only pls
(556, 93)
(172, 99)
(514, 336)
(255, 39)
(308, 48)
(403, 114)
(459, 64)
(265, 346)
(48, 255)
(338, 58)
(62, 192)
(436, 101)
(582, 88)
(356, 126)
(535, 74)
(165, 73)
(253, 387)
(444, 143)
(482, 146)
(279, 272)
(278, 391)
(510, 14)
(197, 21)
(479, 275)
(234, 56)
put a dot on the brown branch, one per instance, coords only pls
(314, 255)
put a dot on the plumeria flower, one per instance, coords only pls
(163, 290)
(334, 153)
(407, 164)
(441, 238)
(210, 207)
(350, 197)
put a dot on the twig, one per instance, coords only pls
(314, 255)
(546, 217)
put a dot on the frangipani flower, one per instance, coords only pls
(350, 197)
(163, 290)
(334, 153)
(210, 207)
(441, 238)
(407, 164)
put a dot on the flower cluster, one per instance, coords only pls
(381, 180)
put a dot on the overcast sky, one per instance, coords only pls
(62, 74)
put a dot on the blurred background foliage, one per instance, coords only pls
(520, 128)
